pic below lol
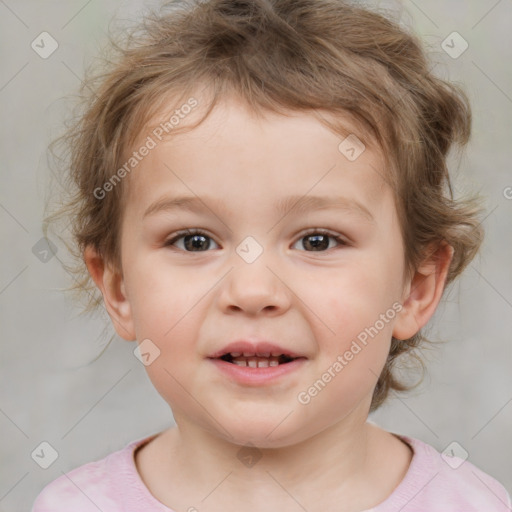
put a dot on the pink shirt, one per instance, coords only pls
(112, 484)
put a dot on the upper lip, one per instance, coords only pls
(258, 348)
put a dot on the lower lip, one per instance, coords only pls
(257, 376)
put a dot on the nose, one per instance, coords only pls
(254, 288)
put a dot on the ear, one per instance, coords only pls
(424, 292)
(111, 284)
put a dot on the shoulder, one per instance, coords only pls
(91, 487)
(448, 481)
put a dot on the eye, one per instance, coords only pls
(318, 240)
(194, 240)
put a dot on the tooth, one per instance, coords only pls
(264, 354)
(252, 363)
(240, 363)
(263, 363)
(273, 362)
(236, 354)
(247, 354)
(276, 354)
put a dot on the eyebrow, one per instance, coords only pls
(297, 204)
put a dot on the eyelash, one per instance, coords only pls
(313, 231)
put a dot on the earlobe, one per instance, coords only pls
(111, 284)
(425, 292)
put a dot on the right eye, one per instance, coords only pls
(194, 240)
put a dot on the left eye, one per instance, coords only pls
(198, 241)
(192, 240)
(319, 240)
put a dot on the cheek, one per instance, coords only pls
(357, 320)
(354, 296)
(160, 295)
(169, 318)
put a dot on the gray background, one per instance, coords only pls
(49, 393)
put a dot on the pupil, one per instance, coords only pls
(197, 240)
(318, 241)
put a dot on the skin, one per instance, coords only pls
(320, 456)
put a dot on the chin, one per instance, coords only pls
(264, 434)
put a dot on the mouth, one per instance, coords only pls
(251, 360)
(256, 363)
(257, 366)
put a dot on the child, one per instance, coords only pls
(263, 201)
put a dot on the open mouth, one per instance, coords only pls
(257, 361)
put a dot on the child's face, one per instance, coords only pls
(193, 299)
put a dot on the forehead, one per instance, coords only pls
(256, 154)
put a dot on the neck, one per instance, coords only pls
(352, 465)
(341, 449)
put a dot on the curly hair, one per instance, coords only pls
(300, 55)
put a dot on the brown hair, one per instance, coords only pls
(302, 55)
